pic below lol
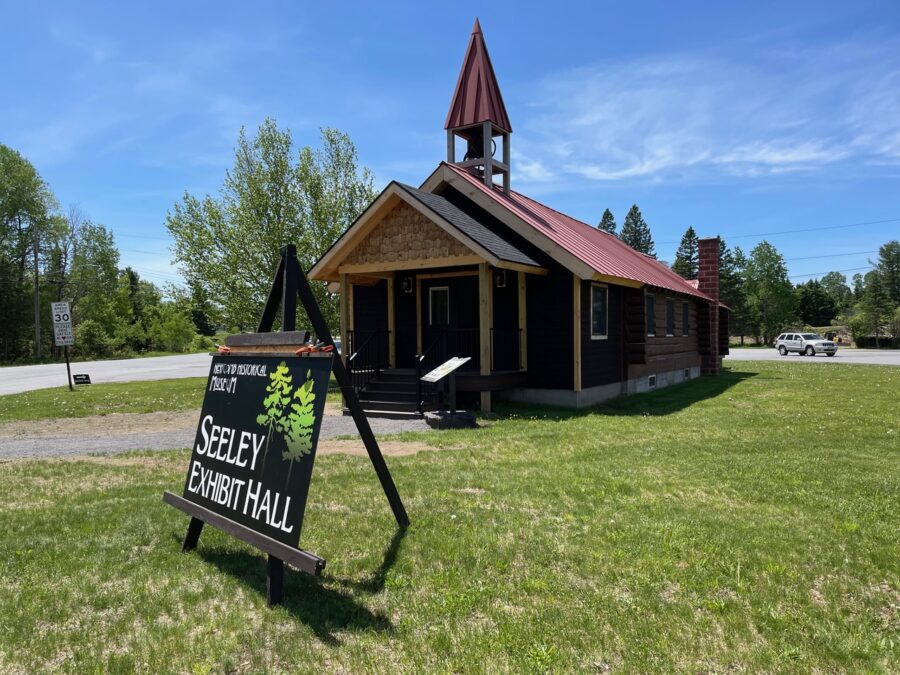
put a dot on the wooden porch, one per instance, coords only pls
(402, 324)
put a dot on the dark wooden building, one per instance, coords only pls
(549, 309)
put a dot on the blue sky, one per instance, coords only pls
(737, 121)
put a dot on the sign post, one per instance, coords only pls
(63, 335)
(253, 453)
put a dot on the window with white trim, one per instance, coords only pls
(599, 312)
(651, 314)
(439, 306)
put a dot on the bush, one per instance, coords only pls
(91, 340)
(859, 328)
(171, 331)
(201, 343)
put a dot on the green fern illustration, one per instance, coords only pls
(279, 390)
(299, 423)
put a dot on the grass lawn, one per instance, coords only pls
(102, 399)
(746, 522)
(115, 397)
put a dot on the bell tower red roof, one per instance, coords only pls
(477, 96)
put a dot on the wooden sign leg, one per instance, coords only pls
(195, 527)
(274, 581)
(320, 327)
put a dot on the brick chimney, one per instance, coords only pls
(708, 278)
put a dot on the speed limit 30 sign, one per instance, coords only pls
(62, 324)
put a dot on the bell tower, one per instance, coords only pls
(478, 117)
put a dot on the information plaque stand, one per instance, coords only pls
(263, 407)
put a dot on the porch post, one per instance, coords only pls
(392, 345)
(418, 316)
(523, 325)
(345, 312)
(485, 297)
(576, 332)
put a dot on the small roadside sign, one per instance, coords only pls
(62, 324)
(82, 378)
(63, 336)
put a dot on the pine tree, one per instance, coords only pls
(607, 222)
(687, 257)
(636, 233)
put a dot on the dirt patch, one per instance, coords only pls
(388, 448)
(114, 424)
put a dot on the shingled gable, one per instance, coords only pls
(586, 251)
(477, 95)
(470, 233)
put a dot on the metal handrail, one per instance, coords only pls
(361, 374)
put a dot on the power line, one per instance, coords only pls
(815, 274)
(832, 255)
(804, 229)
(141, 236)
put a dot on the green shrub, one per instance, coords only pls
(171, 331)
(91, 340)
(202, 343)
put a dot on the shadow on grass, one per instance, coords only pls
(325, 610)
(663, 401)
(375, 581)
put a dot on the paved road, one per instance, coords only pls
(15, 379)
(880, 357)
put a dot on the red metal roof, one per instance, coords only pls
(603, 252)
(477, 95)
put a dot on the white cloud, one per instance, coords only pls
(677, 115)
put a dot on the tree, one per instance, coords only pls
(888, 267)
(875, 305)
(835, 285)
(607, 222)
(732, 271)
(814, 305)
(687, 257)
(770, 294)
(230, 246)
(636, 233)
(27, 207)
(859, 286)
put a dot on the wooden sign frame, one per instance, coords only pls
(290, 283)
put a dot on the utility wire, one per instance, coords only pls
(815, 274)
(804, 229)
(832, 255)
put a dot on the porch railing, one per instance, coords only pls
(367, 355)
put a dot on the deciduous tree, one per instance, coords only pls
(230, 245)
(770, 294)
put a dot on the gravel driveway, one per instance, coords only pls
(40, 446)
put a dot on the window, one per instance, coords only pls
(599, 312)
(439, 306)
(685, 318)
(670, 317)
(651, 315)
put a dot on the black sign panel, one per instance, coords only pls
(253, 454)
(81, 378)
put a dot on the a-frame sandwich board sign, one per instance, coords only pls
(253, 454)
